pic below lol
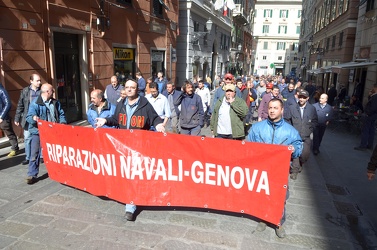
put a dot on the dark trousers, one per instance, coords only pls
(6, 126)
(372, 164)
(298, 162)
(367, 133)
(250, 114)
(318, 133)
(191, 131)
(35, 154)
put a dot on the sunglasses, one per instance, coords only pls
(228, 78)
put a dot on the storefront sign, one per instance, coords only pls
(155, 169)
(123, 54)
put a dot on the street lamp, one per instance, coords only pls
(196, 35)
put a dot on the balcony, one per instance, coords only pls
(239, 15)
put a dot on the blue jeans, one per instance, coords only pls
(286, 198)
(35, 153)
(130, 208)
(191, 131)
(27, 140)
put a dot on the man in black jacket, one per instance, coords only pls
(302, 117)
(369, 126)
(28, 94)
(133, 112)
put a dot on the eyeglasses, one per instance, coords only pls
(130, 87)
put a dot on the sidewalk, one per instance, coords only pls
(49, 215)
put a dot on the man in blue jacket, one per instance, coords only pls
(275, 130)
(46, 108)
(5, 121)
(99, 107)
(192, 114)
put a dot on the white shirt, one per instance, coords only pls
(205, 95)
(160, 105)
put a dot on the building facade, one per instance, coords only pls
(78, 45)
(202, 52)
(276, 37)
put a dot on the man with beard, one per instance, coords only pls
(304, 118)
(192, 114)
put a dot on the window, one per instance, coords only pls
(280, 58)
(196, 29)
(298, 29)
(340, 39)
(299, 13)
(280, 46)
(157, 8)
(282, 29)
(267, 13)
(283, 14)
(266, 29)
(295, 46)
(328, 43)
(333, 42)
(370, 5)
(265, 45)
(264, 57)
(124, 1)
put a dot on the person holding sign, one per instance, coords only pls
(133, 112)
(46, 108)
(275, 130)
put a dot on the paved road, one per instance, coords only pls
(49, 215)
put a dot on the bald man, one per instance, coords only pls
(325, 115)
(46, 108)
(112, 91)
(99, 107)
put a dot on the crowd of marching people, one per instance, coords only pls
(265, 109)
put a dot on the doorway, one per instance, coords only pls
(68, 74)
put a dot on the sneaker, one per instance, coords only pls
(12, 153)
(25, 162)
(31, 180)
(280, 232)
(315, 152)
(293, 176)
(261, 226)
(129, 216)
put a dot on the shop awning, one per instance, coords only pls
(314, 71)
(351, 65)
(326, 69)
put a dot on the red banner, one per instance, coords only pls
(156, 169)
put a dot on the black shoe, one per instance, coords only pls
(129, 216)
(25, 162)
(31, 180)
(315, 152)
(360, 148)
(41, 161)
